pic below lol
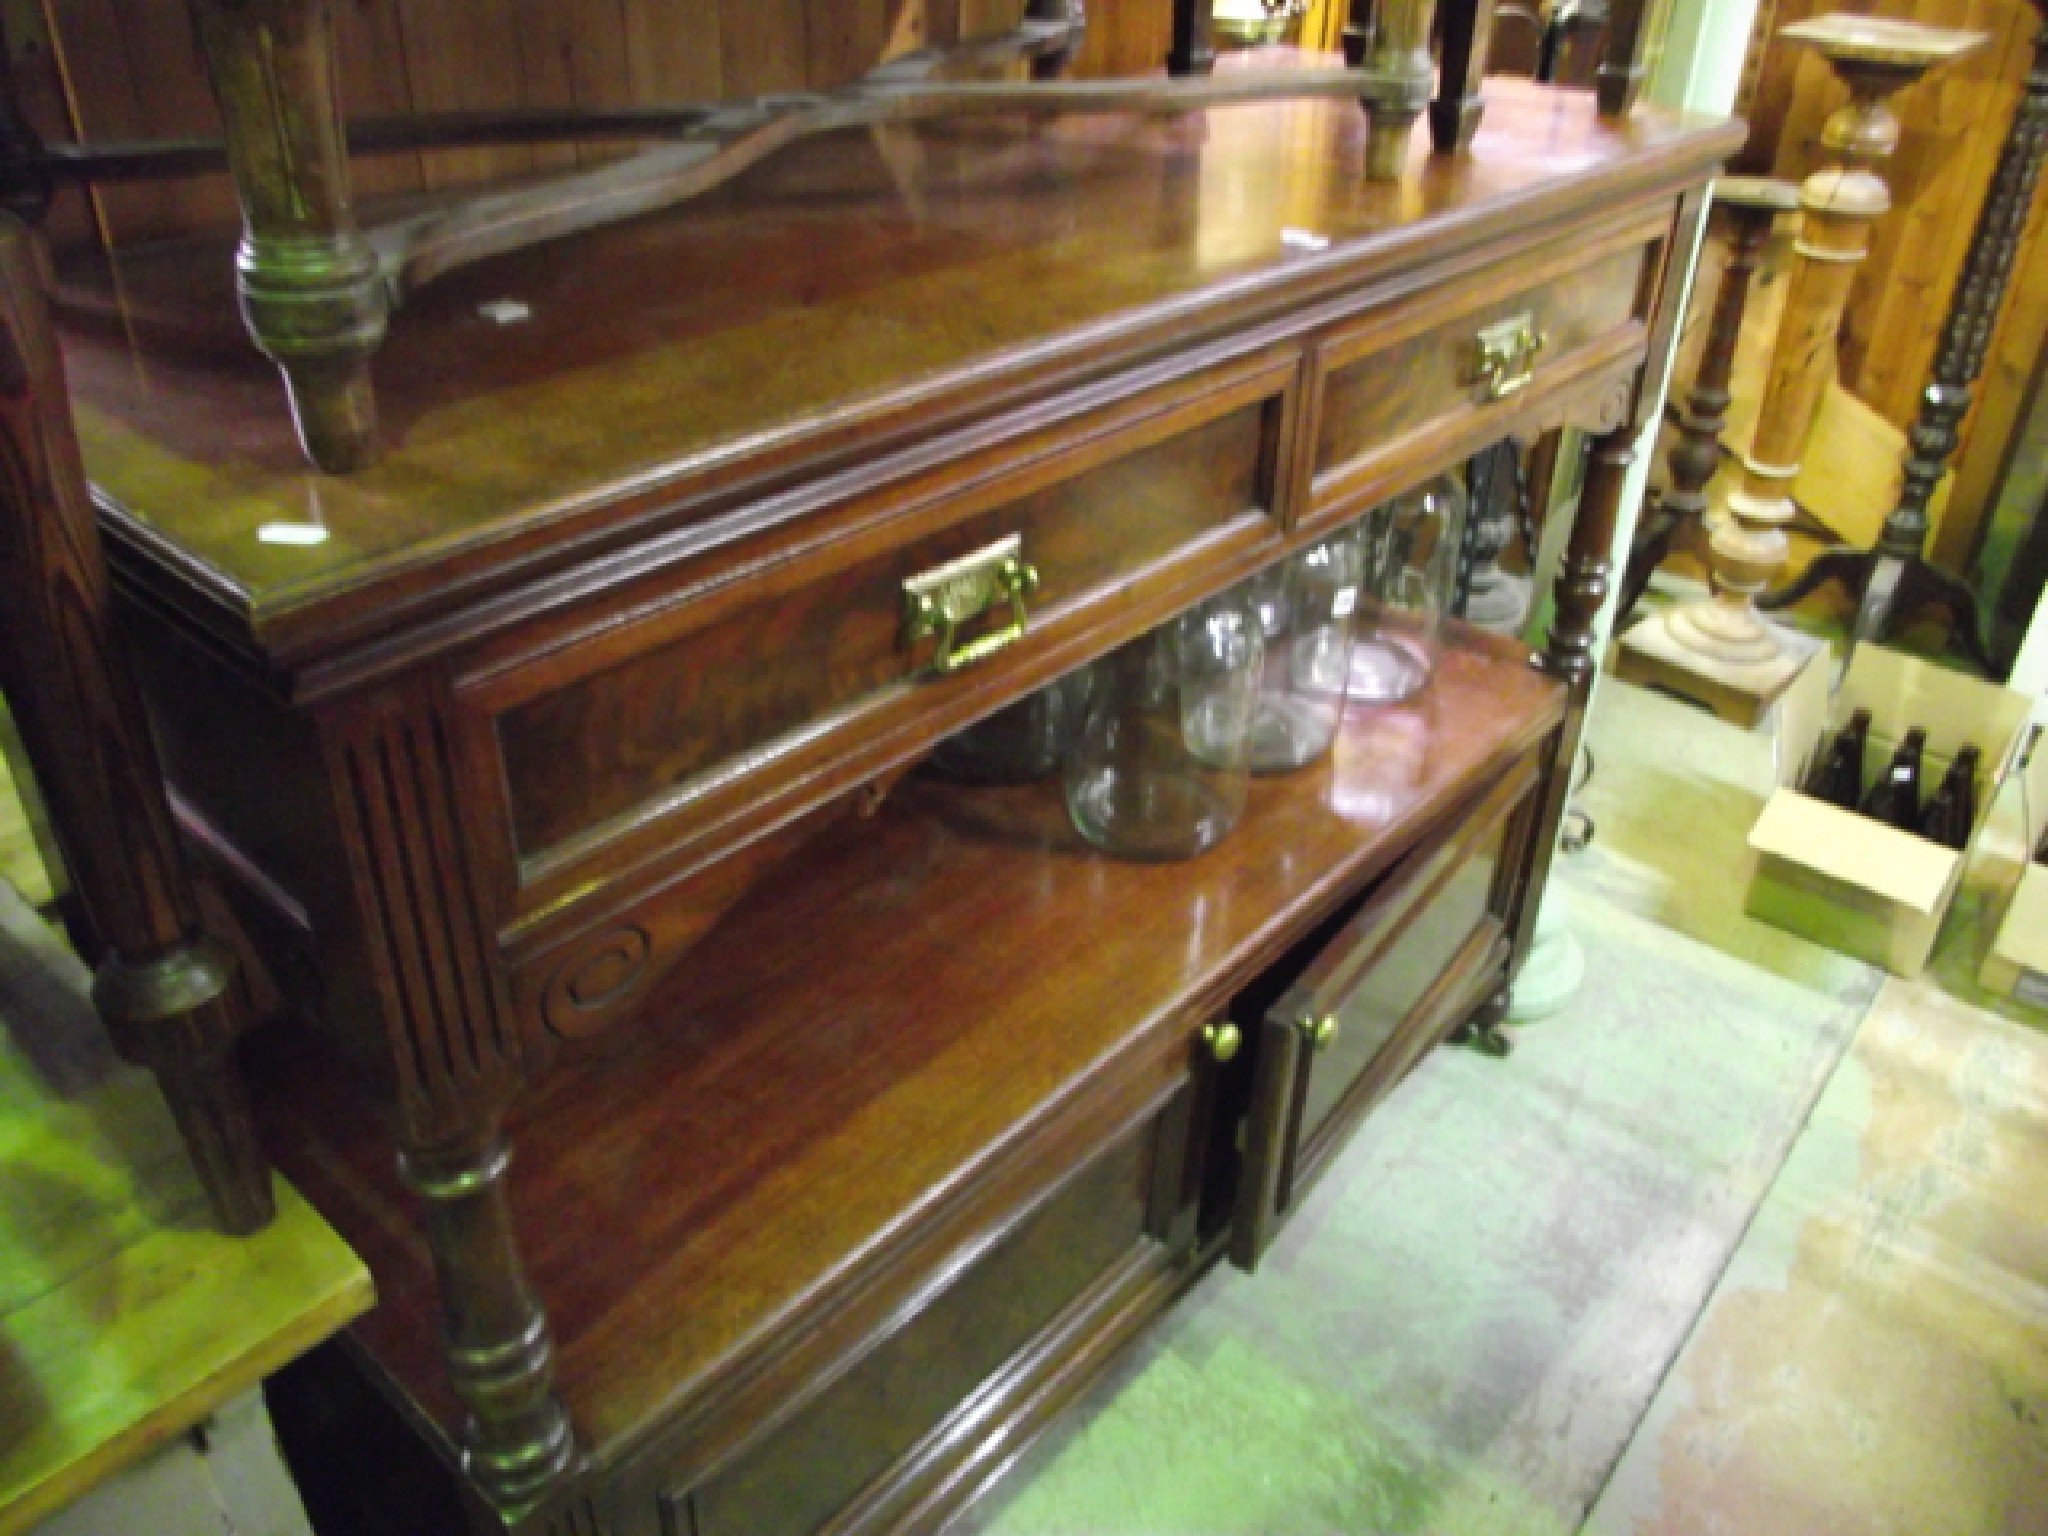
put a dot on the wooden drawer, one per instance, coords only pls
(783, 663)
(1404, 391)
(1380, 984)
(948, 1393)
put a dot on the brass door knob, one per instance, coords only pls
(1321, 1032)
(1222, 1039)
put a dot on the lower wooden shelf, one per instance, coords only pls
(886, 1063)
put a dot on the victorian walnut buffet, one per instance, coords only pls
(560, 764)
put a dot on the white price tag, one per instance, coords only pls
(1346, 600)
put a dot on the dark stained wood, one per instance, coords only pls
(828, 639)
(810, 1466)
(1622, 71)
(1194, 40)
(1407, 374)
(308, 285)
(784, 1038)
(784, 1085)
(168, 991)
(590, 425)
(1465, 49)
(1752, 205)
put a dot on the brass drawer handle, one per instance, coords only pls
(1223, 1040)
(939, 601)
(1320, 1033)
(1504, 355)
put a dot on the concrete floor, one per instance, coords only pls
(1746, 1240)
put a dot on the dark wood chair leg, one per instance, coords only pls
(500, 1355)
(1753, 204)
(311, 292)
(168, 992)
(1467, 37)
(1622, 73)
(1194, 38)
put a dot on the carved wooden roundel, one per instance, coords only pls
(588, 990)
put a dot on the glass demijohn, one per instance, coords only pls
(1408, 554)
(1161, 766)
(1305, 606)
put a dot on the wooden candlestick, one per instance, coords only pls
(1874, 57)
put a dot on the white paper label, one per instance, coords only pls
(1345, 601)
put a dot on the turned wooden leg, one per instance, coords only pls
(500, 1356)
(167, 992)
(1753, 204)
(1400, 51)
(1194, 38)
(1622, 72)
(1053, 66)
(1582, 585)
(311, 292)
(1467, 36)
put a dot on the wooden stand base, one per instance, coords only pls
(1739, 692)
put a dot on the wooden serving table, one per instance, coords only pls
(557, 761)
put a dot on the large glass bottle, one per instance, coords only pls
(1161, 766)
(1023, 741)
(1408, 553)
(1305, 606)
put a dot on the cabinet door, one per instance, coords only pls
(1411, 959)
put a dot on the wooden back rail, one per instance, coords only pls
(317, 293)
(168, 991)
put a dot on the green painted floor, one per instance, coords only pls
(1722, 1248)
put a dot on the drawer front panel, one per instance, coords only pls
(1381, 388)
(824, 642)
(811, 1466)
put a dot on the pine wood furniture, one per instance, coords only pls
(556, 763)
(125, 1319)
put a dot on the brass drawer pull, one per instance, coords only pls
(1320, 1033)
(939, 601)
(1504, 355)
(1223, 1040)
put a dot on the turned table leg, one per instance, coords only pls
(169, 993)
(1467, 37)
(1194, 38)
(311, 292)
(1622, 72)
(1400, 51)
(1581, 589)
(500, 1355)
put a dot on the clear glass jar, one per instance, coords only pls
(1408, 558)
(1162, 764)
(1306, 606)
(1022, 741)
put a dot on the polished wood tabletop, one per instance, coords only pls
(859, 290)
